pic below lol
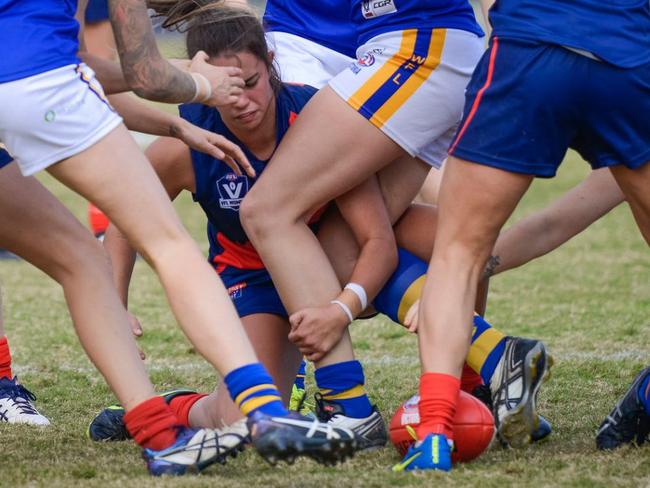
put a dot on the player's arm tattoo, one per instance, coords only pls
(492, 263)
(148, 74)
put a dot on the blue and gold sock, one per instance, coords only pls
(486, 348)
(252, 389)
(404, 288)
(299, 382)
(644, 393)
(342, 383)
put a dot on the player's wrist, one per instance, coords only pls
(202, 88)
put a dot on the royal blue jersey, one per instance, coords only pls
(614, 30)
(36, 36)
(5, 158)
(374, 17)
(220, 191)
(325, 22)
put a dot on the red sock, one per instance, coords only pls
(152, 424)
(470, 379)
(5, 359)
(182, 404)
(438, 399)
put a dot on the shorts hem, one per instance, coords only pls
(283, 315)
(633, 163)
(89, 141)
(504, 164)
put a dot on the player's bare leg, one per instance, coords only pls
(268, 334)
(117, 177)
(77, 261)
(635, 184)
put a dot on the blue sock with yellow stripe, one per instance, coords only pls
(252, 389)
(404, 288)
(342, 383)
(486, 348)
(300, 377)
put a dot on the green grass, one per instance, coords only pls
(588, 300)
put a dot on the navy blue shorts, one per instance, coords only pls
(251, 298)
(97, 11)
(5, 158)
(528, 102)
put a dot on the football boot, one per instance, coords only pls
(195, 450)
(523, 368)
(628, 422)
(284, 438)
(16, 404)
(431, 453)
(544, 428)
(371, 430)
(108, 425)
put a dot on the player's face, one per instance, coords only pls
(253, 106)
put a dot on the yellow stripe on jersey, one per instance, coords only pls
(256, 402)
(355, 392)
(424, 69)
(254, 389)
(384, 73)
(482, 347)
(411, 295)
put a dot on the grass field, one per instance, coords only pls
(589, 301)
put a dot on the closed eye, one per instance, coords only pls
(252, 81)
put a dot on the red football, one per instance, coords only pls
(473, 427)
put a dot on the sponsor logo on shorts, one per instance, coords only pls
(235, 291)
(49, 116)
(376, 8)
(232, 190)
(368, 59)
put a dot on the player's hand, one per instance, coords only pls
(136, 328)
(411, 319)
(226, 81)
(214, 145)
(315, 331)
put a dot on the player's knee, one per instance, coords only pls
(255, 216)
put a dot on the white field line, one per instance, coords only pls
(402, 360)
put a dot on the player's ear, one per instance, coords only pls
(271, 57)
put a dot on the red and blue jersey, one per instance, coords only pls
(36, 36)
(220, 191)
(325, 22)
(617, 32)
(375, 17)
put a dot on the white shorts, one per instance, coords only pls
(411, 85)
(54, 115)
(303, 61)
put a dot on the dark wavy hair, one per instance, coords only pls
(217, 28)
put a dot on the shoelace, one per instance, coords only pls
(21, 396)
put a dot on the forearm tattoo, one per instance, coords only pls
(492, 263)
(148, 73)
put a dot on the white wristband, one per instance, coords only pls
(202, 88)
(358, 290)
(345, 309)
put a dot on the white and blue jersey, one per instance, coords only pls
(375, 17)
(617, 32)
(36, 36)
(325, 22)
(220, 192)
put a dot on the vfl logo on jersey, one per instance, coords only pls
(232, 190)
(376, 8)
